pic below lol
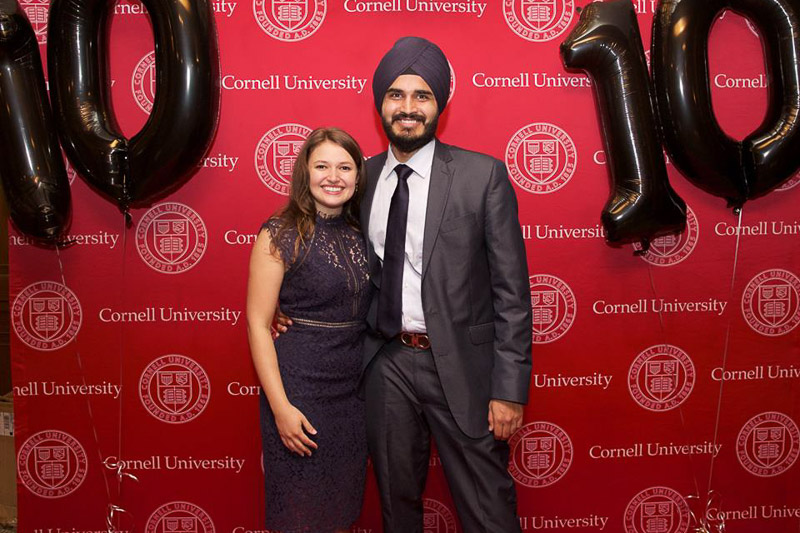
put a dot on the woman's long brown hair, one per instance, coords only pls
(300, 212)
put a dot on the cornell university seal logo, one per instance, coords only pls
(541, 158)
(437, 518)
(289, 20)
(174, 389)
(538, 20)
(768, 444)
(36, 11)
(276, 153)
(179, 517)
(672, 249)
(770, 302)
(52, 464)
(541, 453)
(46, 315)
(661, 377)
(171, 238)
(657, 509)
(143, 82)
(553, 306)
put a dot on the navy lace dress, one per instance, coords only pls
(326, 292)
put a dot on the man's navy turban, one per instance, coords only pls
(413, 55)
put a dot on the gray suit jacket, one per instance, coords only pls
(475, 288)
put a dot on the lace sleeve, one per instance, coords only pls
(284, 243)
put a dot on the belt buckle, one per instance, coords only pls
(419, 341)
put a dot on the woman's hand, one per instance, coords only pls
(280, 323)
(292, 427)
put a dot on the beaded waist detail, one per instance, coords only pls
(322, 324)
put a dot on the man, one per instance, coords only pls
(448, 353)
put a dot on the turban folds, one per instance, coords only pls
(413, 55)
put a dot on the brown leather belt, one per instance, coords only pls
(415, 340)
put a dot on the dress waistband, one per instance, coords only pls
(322, 324)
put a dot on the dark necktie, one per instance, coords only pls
(390, 300)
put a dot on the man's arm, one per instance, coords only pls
(508, 267)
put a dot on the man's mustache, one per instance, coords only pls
(407, 116)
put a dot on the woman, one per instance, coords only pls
(311, 263)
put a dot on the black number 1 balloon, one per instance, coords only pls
(606, 43)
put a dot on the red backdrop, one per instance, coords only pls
(655, 378)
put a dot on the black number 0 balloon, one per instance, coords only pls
(183, 121)
(698, 146)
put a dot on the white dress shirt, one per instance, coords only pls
(418, 185)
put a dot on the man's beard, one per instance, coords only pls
(407, 144)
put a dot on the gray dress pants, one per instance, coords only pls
(405, 405)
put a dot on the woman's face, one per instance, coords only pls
(332, 177)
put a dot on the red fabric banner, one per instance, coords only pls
(656, 378)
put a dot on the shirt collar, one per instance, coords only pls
(421, 162)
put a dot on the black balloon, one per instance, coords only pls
(772, 152)
(184, 117)
(699, 148)
(31, 167)
(606, 44)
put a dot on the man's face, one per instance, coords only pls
(409, 113)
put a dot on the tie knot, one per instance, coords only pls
(403, 171)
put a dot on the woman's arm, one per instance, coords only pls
(263, 288)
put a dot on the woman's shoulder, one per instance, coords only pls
(283, 234)
(278, 224)
(272, 223)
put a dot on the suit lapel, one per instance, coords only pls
(374, 166)
(441, 179)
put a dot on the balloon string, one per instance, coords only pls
(119, 467)
(74, 340)
(660, 312)
(712, 521)
(112, 511)
(680, 407)
(726, 344)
